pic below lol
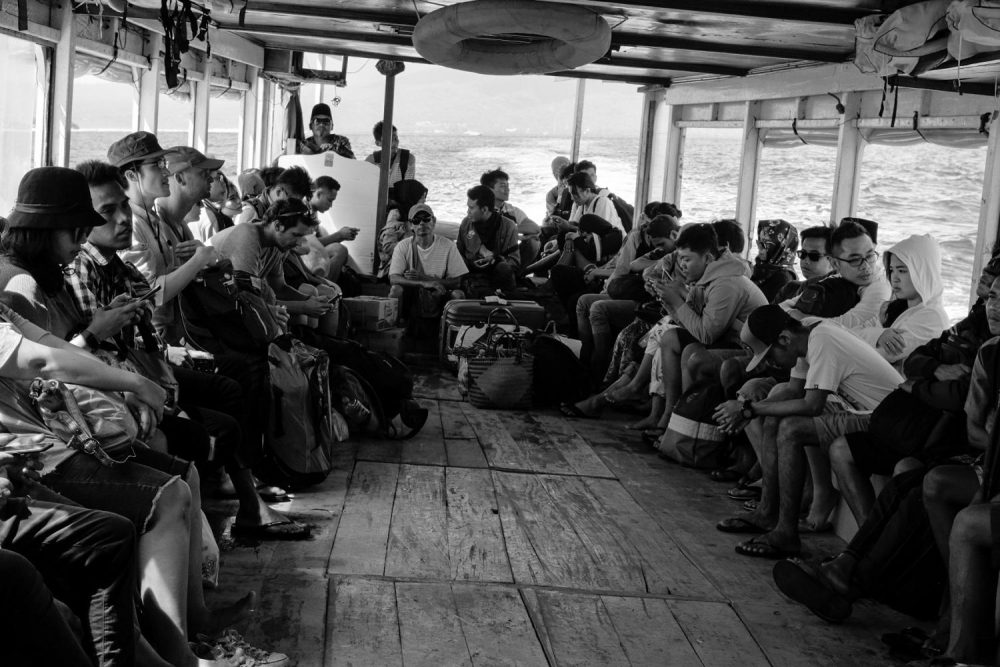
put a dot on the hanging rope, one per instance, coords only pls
(795, 129)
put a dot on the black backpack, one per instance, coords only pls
(829, 297)
(625, 211)
(558, 376)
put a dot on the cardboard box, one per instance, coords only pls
(372, 313)
(391, 341)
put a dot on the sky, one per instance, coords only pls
(429, 99)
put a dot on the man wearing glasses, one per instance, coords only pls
(323, 139)
(166, 255)
(855, 259)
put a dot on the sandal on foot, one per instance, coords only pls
(724, 475)
(273, 494)
(807, 526)
(276, 530)
(745, 493)
(802, 583)
(736, 524)
(751, 505)
(570, 410)
(759, 547)
(651, 436)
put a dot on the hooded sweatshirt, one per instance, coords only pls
(925, 321)
(720, 302)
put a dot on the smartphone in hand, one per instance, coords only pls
(151, 293)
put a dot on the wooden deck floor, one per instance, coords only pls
(498, 538)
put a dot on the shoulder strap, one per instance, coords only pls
(404, 161)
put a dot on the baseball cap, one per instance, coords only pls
(321, 109)
(180, 158)
(761, 331)
(134, 147)
(53, 198)
(418, 208)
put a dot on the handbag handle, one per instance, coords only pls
(504, 311)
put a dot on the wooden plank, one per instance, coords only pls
(361, 539)
(322, 507)
(362, 626)
(717, 634)
(666, 569)
(378, 449)
(465, 453)
(475, 536)
(496, 625)
(543, 547)
(439, 385)
(792, 636)
(429, 626)
(648, 632)
(418, 536)
(540, 452)
(573, 446)
(579, 629)
(501, 450)
(291, 616)
(453, 421)
(427, 447)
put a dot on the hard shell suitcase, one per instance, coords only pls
(463, 312)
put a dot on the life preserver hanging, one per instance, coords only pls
(512, 37)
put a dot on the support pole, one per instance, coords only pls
(61, 109)
(849, 150)
(989, 208)
(248, 121)
(746, 194)
(201, 100)
(673, 168)
(149, 87)
(581, 89)
(389, 69)
(643, 169)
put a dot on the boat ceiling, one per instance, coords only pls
(653, 42)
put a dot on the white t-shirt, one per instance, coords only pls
(840, 362)
(600, 206)
(440, 260)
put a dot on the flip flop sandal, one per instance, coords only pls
(802, 583)
(758, 547)
(723, 475)
(276, 530)
(570, 410)
(750, 505)
(273, 494)
(737, 524)
(651, 436)
(745, 493)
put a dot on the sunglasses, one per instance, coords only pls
(811, 255)
(417, 219)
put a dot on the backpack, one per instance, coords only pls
(219, 310)
(302, 429)
(692, 437)
(625, 211)
(829, 297)
(559, 376)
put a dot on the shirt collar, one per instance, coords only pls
(95, 254)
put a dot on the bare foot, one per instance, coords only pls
(643, 424)
(628, 392)
(215, 621)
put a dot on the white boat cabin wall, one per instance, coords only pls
(792, 103)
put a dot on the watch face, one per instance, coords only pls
(746, 413)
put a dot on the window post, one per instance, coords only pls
(61, 109)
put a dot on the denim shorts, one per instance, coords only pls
(130, 489)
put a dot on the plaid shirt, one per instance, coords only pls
(96, 280)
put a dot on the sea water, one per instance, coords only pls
(917, 189)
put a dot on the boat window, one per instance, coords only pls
(612, 149)
(224, 111)
(175, 115)
(925, 188)
(103, 112)
(21, 117)
(710, 173)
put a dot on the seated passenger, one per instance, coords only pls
(323, 139)
(488, 243)
(576, 271)
(552, 196)
(403, 196)
(328, 255)
(829, 361)
(216, 211)
(402, 163)
(588, 198)
(291, 183)
(425, 262)
(814, 261)
(774, 267)
(527, 229)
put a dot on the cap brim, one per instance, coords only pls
(211, 164)
(758, 358)
(148, 156)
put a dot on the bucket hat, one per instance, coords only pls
(53, 198)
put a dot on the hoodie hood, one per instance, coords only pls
(922, 256)
(727, 266)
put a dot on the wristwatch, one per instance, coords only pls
(746, 409)
(90, 339)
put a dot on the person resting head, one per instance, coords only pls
(730, 234)
(774, 267)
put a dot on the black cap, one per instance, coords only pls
(321, 109)
(762, 329)
(53, 198)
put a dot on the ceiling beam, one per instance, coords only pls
(777, 11)
(686, 44)
(317, 33)
(672, 65)
(339, 49)
(624, 78)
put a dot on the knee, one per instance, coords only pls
(308, 290)
(971, 526)
(937, 486)
(174, 499)
(840, 452)
(792, 430)
(599, 316)
(337, 252)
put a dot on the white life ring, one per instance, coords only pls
(457, 36)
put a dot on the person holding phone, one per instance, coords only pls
(488, 243)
